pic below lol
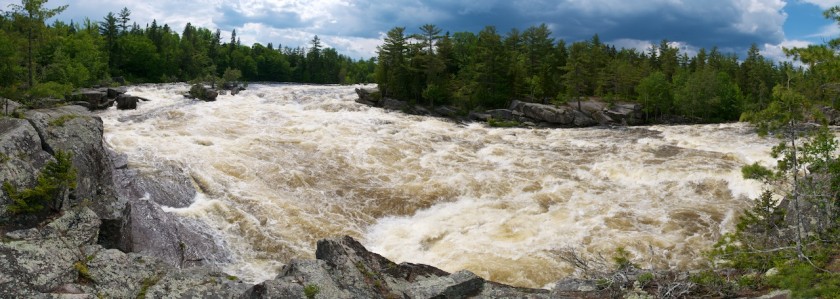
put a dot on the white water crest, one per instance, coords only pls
(280, 166)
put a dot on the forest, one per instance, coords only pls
(488, 70)
(41, 60)
(467, 70)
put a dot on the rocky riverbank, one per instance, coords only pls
(586, 113)
(112, 240)
(575, 114)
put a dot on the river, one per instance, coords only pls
(280, 166)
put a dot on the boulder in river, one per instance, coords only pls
(369, 96)
(562, 116)
(114, 92)
(127, 102)
(148, 230)
(97, 99)
(204, 93)
(582, 114)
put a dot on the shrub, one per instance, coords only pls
(622, 259)
(83, 271)
(806, 281)
(311, 290)
(645, 278)
(50, 90)
(434, 94)
(756, 172)
(198, 91)
(54, 183)
(59, 121)
(713, 284)
(231, 76)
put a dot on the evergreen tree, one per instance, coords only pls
(123, 18)
(391, 72)
(655, 95)
(578, 71)
(489, 66)
(429, 34)
(108, 29)
(32, 14)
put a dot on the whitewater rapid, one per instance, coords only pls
(280, 166)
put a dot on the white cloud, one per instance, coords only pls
(761, 17)
(356, 47)
(828, 31)
(824, 4)
(646, 45)
(352, 26)
(629, 43)
(776, 51)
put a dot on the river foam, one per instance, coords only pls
(280, 166)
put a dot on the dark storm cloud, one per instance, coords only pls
(358, 25)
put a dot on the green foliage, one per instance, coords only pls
(796, 238)
(788, 106)
(488, 70)
(655, 94)
(82, 270)
(32, 15)
(311, 290)
(61, 120)
(41, 60)
(756, 171)
(198, 91)
(713, 283)
(50, 89)
(645, 278)
(435, 94)
(231, 76)
(806, 281)
(750, 281)
(755, 242)
(54, 182)
(148, 282)
(621, 258)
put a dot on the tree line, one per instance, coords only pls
(488, 70)
(37, 59)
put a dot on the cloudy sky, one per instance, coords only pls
(356, 27)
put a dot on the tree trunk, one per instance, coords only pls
(796, 207)
(29, 59)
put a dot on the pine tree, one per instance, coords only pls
(108, 29)
(33, 14)
(391, 72)
(429, 34)
(123, 18)
(578, 71)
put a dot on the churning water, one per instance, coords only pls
(281, 166)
